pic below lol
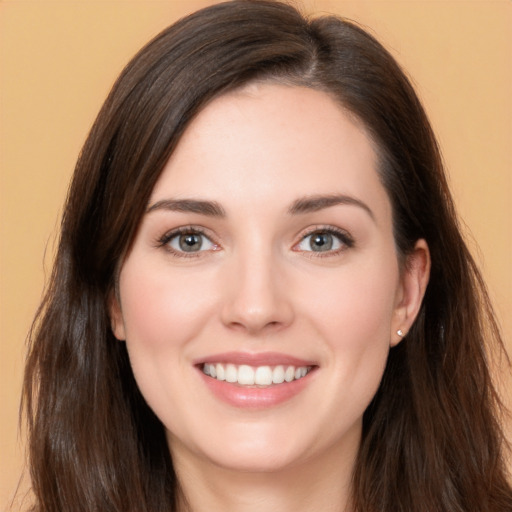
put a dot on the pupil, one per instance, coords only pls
(321, 242)
(190, 243)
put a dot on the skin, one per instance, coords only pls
(258, 284)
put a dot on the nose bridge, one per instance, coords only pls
(256, 297)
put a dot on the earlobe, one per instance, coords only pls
(116, 317)
(414, 280)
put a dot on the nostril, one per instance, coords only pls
(253, 326)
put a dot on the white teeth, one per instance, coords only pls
(278, 375)
(289, 374)
(221, 374)
(263, 376)
(231, 373)
(246, 375)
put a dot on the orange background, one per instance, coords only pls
(58, 60)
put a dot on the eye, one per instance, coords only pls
(187, 240)
(325, 240)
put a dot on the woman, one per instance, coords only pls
(261, 298)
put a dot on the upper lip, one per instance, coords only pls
(256, 359)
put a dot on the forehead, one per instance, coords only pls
(269, 142)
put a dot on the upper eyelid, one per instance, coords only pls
(187, 229)
(182, 230)
(323, 229)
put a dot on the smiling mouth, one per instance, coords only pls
(261, 376)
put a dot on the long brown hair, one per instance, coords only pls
(431, 436)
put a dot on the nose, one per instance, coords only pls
(256, 296)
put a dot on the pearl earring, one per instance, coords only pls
(400, 333)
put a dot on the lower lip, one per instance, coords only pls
(254, 397)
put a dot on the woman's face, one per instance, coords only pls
(262, 291)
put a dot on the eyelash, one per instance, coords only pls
(343, 237)
(165, 240)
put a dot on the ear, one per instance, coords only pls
(116, 317)
(413, 283)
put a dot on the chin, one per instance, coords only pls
(245, 447)
(258, 461)
(267, 448)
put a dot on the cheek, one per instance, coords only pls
(355, 305)
(353, 314)
(161, 309)
(163, 314)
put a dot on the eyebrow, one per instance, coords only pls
(315, 203)
(300, 206)
(208, 208)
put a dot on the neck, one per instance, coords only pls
(323, 484)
